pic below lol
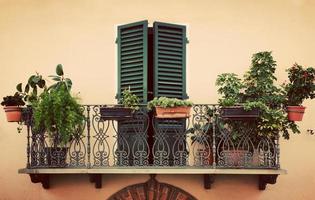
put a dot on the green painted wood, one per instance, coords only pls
(169, 60)
(132, 43)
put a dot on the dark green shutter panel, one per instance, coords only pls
(132, 43)
(169, 60)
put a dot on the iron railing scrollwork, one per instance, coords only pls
(203, 140)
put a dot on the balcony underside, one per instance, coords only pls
(152, 170)
(265, 176)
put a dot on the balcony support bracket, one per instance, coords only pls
(96, 179)
(208, 180)
(266, 179)
(41, 178)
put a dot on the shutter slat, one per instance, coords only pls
(170, 74)
(161, 52)
(128, 57)
(139, 34)
(170, 70)
(167, 44)
(124, 62)
(131, 83)
(131, 74)
(127, 32)
(171, 32)
(168, 48)
(171, 40)
(163, 35)
(170, 65)
(124, 41)
(132, 44)
(171, 79)
(125, 53)
(173, 92)
(128, 49)
(169, 83)
(170, 57)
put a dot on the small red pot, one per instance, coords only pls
(295, 113)
(14, 113)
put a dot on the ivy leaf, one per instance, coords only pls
(35, 91)
(19, 87)
(30, 81)
(59, 70)
(41, 83)
(27, 88)
(36, 79)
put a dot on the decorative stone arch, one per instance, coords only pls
(152, 190)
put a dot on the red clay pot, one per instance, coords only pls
(295, 113)
(14, 113)
(175, 112)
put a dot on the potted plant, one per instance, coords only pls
(170, 107)
(230, 87)
(301, 86)
(31, 93)
(201, 140)
(128, 105)
(12, 107)
(59, 114)
(257, 91)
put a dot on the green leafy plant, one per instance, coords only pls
(30, 92)
(129, 100)
(230, 87)
(58, 112)
(301, 85)
(165, 102)
(257, 90)
(60, 79)
(15, 100)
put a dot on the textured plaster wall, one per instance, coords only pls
(80, 34)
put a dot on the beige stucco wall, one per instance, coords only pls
(80, 34)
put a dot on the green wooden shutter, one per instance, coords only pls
(169, 60)
(132, 43)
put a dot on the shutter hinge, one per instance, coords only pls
(117, 40)
(187, 41)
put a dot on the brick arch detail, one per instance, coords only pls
(152, 190)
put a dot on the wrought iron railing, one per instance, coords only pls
(205, 140)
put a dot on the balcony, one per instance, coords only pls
(143, 144)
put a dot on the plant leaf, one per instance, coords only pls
(35, 91)
(27, 88)
(53, 86)
(56, 78)
(35, 79)
(68, 83)
(59, 70)
(41, 83)
(19, 87)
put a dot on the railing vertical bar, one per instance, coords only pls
(88, 125)
(214, 149)
(28, 148)
(278, 152)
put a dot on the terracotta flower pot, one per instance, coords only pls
(175, 112)
(295, 113)
(14, 113)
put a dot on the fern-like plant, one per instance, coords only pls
(58, 113)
